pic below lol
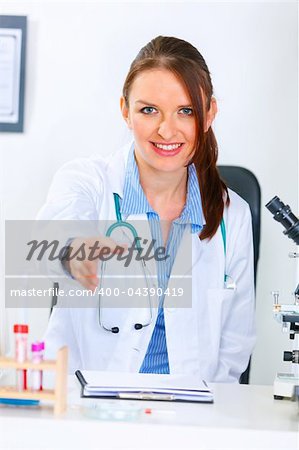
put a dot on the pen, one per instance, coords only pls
(145, 396)
(159, 412)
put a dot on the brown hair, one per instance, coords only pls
(185, 61)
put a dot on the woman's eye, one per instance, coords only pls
(148, 109)
(187, 111)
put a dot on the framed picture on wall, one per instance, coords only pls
(12, 72)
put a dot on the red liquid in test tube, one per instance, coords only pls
(21, 342)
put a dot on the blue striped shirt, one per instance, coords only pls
(135, 202)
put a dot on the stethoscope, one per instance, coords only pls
(121, 223)
(228, 281)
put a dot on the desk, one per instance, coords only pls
(242, 417)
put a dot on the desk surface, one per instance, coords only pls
(242, 417)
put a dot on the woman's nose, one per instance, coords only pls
(167, 129)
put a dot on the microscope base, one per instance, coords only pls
(285, 386)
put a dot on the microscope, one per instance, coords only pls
(286, 385)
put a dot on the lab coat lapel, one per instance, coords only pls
(200, 322)
(181, 317)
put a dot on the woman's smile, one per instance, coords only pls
(167, 150)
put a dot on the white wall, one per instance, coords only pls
(78, 54)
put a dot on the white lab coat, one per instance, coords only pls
(214, 338)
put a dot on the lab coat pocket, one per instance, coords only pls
(214, 309)
(219, 302)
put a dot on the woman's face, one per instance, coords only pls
(161, 118)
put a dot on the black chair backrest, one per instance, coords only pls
(245, 183)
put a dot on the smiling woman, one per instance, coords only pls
(170, 82)
(167, 178)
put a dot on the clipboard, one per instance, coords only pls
(135, 386)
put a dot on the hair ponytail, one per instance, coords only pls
(212, 188)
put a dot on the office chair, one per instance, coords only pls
(244, 183)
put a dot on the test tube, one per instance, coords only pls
(37, 349)
(21, 339)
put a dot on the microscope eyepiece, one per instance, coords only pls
(282, 213)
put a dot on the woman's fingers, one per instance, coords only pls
(86, 274)
(84, 258)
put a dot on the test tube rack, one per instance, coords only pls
(58, 394)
